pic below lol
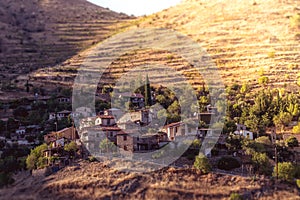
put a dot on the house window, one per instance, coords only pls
(125, 137)
(125, 148)
(111, 134)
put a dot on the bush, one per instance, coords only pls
(286, 171)
(202, 163)
(92, 159)
(263, 80)
(298, 183)
(295, 21)
(292, 142)
(235, 196)
(35, 158)
(261, 163)
(228, 163)
(5, 179)
(296, 129)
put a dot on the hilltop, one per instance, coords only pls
(246, 41)
(42, 33)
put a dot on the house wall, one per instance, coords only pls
(126, 142)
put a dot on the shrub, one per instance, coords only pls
(35, 158)
(5, 179)
(271, 54)
(292, 142)
(71, 147)
(295, 21)
(263, 80)
(235, 196)
(202, 163)
(298, 183)
(296, 129)
(92, 159)
(263, 140)
(286, 171)
(228, 163)
(261, 163)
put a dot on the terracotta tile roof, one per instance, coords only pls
(105, 116)
(174, 124)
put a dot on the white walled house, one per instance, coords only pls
(105, 120)
(245, 133)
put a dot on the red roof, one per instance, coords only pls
(106, 116)
(174, 124)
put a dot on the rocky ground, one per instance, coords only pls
(85, 180)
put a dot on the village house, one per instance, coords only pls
(92, 136)
(137, 100)
(66, 135)
(63, 99)
(141, 117)
(241, 130)
(59, 115)
(178, 129)
(21, 130)
(132, 143)
(105, 120)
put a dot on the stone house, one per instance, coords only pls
(132, 142)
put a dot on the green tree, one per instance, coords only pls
(35, 158)
(261, 163)
(292, 142)
(263, 80)
(282, 119)
(71, 147)
(202, 163)
(244, 88)
(264, 140)
(296, 129)
(107, 146)
(286, 171)
(234, 142)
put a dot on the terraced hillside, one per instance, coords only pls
(42, 33)
(246, 41)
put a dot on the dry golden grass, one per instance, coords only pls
(98, 181)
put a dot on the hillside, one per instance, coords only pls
(86, 180)
(42, 33)
(246, 41)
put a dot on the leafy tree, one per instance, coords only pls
(286, 171)
(292, 142)
(264, 140)
(234, 142)
(71, 147)
(244, 88)
(263, 80)
(107, 146)
(35, 158)
(228, 163)
(20, 112)
(296, 129)
(148, 98)
(282, 119)
(261, 163)
(202, 163)
(235, 196)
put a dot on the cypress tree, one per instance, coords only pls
(147, 92)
